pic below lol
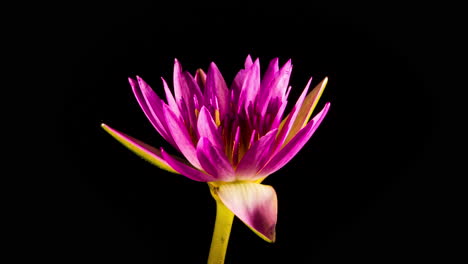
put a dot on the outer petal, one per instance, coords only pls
(170, 99)
(143, 150)
(185, 169)
(213, 161)
(307, 108)
(256, 157)
(288, 122)
(253, 203)
(291, 149)
(148, 109)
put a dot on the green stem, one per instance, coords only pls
(222, 230)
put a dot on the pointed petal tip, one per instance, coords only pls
(325, 81)
(131, 81)
(212, 67)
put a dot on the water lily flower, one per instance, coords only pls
(230, 137)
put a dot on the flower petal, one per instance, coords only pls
(255, 204)
(213, 161)
(250, 86)
(185, 169)
(170, 99)
(290, 150)
(216, 88)
(256, 157)
(286, 125)
(264, 94)
(143, 101)
(186, 90)
(307, 108)
(206, 127)
(181, 136)
(248, 62)
(277, 87)
(143, 150)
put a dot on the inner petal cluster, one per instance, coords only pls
(231, 133)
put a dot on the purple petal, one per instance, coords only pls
(290, 150)
(253, 203)
(214, 161)
(277, 87)
(185, 89)
(216, 88)
(178, 81)
(185, 169)
(236, 85)
(181, 136)
(207, 128)
(270, 72)
(265, 91)
(142, 101)
(250, 86)
(256, 157)
(170, 99)
(248, 62)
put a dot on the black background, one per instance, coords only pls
(363, 188)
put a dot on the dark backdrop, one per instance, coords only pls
(358, 191)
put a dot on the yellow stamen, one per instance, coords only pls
(217, 118)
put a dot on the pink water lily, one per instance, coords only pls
(230, 137)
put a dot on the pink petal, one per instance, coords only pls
(277, 87)
(181, 136)
(250, 86)
(290, 150)
(270, 72)
(185, 169)
(147, 108)
(214, 161)
(185, 89)
(256, 157)
(216, 88)
(265, 91)
(255, 204)
(248, 62)
(178, 82)
(170, 99)
(206, 127)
